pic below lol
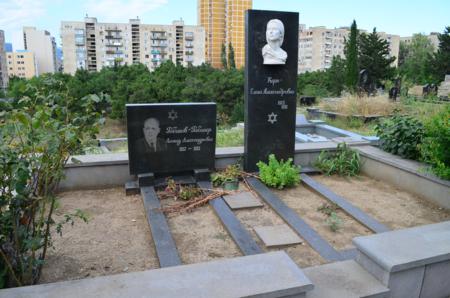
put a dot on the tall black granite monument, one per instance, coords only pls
(271, 53)
(171, 138)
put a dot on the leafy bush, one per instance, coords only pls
(344, 161)
(37, 135)
(401, 135)
(435, 147)
(278, 174)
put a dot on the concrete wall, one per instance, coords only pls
(405, 174)
(107, 170)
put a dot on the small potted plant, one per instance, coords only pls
(228, 179)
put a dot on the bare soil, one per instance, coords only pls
(118, 239)
(199, 235)
(394, 207)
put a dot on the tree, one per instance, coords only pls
(374, 57)
(414, 59)
(440, 62)
(223, 56)
(351, 55)
(336, 76)
(231, 62)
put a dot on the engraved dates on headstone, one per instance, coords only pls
(271, 41)
(171, 138)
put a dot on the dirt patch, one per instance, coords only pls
(199, 235)
(394, 207)
(306, 204)
(112, 128)
(117, 238)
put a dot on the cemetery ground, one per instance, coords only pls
(117, 238)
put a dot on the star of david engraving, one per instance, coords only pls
(272, 118)
(173, 115)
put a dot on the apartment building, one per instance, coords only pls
(318, 45)
(3, 67)
(92, 45)
(432, 37)
(44, 47)
(21, 64)
(224, 23)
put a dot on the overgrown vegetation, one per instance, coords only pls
(178, 191)
(344, 161)
(401, 135)
(279, 174)
(230, 174)
(39, 130)
(435, 147)
(361, 105)
(229, 137)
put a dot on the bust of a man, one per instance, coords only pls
(272, 51)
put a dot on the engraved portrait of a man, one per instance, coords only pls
(151, 142)
(272, 51)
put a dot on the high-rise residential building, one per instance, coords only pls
(22, 64)
(318, 45)
(224, 23)
(432, 37)
(3, 67)
(92, 45)
(44, 47)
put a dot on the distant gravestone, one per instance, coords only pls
(271, 41)
(171, 138)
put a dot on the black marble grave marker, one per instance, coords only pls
(270, 89)
(171, 138)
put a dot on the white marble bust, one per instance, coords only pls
(272, 52)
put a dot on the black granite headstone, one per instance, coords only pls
(171, 138)
(270, 85)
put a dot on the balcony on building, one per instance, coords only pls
(189, 35)
(113, 36)
(189, 58)
(189, 45)
(158, 35)
(156, 59)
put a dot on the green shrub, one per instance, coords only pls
(279, 174)
(401, 135)
(435, 147)
(344, 161)
(231, 173)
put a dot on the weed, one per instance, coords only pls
(344, 161)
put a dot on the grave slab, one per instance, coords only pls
(409, 261)
(168, 138)
(279, 235)
(266, 275)
(344, 279)
(270, 85)
(242, 200)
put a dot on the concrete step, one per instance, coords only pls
(346, 279)
(266, 275)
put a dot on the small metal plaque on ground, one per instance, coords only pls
(242, 200)
(279, 235)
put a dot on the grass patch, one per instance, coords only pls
(230, 137)
(365, 106)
